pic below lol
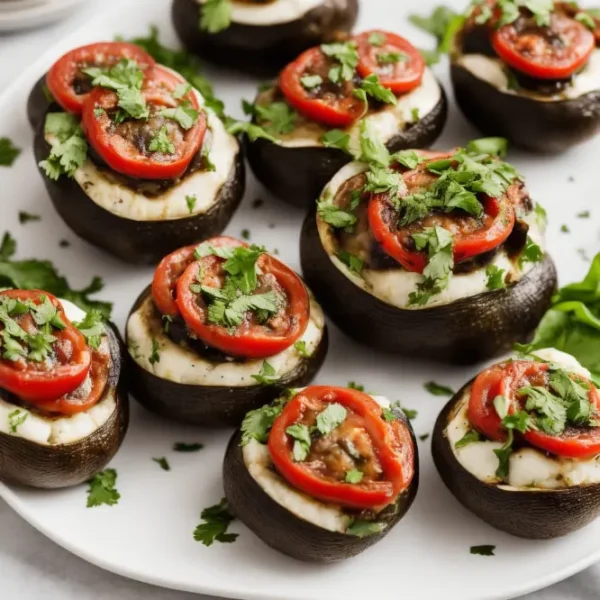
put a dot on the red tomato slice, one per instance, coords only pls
(472, 236)
(506, 380)
(400, 76)
(391, 442)
(251, 339)
(125, 147)
(534, 50)
(70, 87)
(39, 383)
(335, 107)
(72, 404)
(170, 269)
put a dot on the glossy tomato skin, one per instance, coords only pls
(38, 385)
(63, 77)
(249, 341)
(533, 52)
(122, 155)
(335, 111)
(493, 229)
(401, 77)
(392, 443)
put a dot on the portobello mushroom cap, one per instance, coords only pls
(530, 513)
(280, 529)
(463, 332)
(133, 241)
(38, 103)
(262, 49)
(49, 466)
(214, 405)
(297, 175)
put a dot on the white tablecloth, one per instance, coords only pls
(34, 568)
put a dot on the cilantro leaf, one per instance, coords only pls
(25, 217)
(215, 15)
(372, 149)
(301, 349)
(277, 118)
(372, 87)
(493, 146)
(495, 277)
(68, 149)
(443, 24)
(216, 521)
(352, 261)
(354, 476)
(92, 327)
(334, 215)
(532, 253)
(437, 389)
(329, 419)
(257, 423)
(267, 374)
(155, 355)
(361, 528)
(311, 81)
(8, 152)
(184, 447)
(191, 203)
(163, 463)
(16, 418)
(253, 131)
(302, 442)
(336, 138)
(484, 550)
(102, 489)
(346, 55)
(184, 114)
(161, 142)
(355, 386)
(469, 437)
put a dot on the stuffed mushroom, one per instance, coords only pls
(322, 473)
(529, 73)
(63, 403)
(138, 156)
(307, 126)
(224, 328)
(259, 36)
(437, 255)
(519, 445)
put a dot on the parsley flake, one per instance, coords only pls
(184, 447)
(102, 489)
(191, 203)
(484, 550)
(354, 476)
(25, 217)
(215, 15)
(267, 374)
(16, 418)
(68, 149)
(495, 277)
(163, 463)
(438, 390)
(216, 520)
(8, 152)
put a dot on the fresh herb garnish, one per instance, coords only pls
(93, 328)
(443, 24)
(371, 86)
(267, 374)
(184, 447)
(163, 463)
(391, 58)
(484, 550)
(469, 437)
(161, 142)
(352, 261)
(311, 81)
(377, 39)
(354, 476)
(215, 15)
(437, 389)
(346, 56)
(191, 203)
(584, 214)
(102, 489)
(361, 529)
(185, 115)
(8, 152)
(25, 217)
(532, 253)
(495, 277)
(257, 423)
(336, 216)
(216, 523)
(301, 349)
(356, 386)
(16, 418)
(564, 228)
(68, 149)
(155, 355)
(333, 416)
(301, 435)
(424, 436)
(336, 138)
(277, 118)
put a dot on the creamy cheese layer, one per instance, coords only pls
(529, 468)
(384, 123)
(492, 71)
(53, 431)
(327, 516)
(270, 13)
(180, 365)
(394, 286)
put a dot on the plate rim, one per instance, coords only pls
(16, 503)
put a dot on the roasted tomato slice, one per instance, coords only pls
(256, 335)
(62, 357)
(395, 60)
(329, 103)
(472, 235)
(506, 380)
(385, 449)
(170, 269)
(70, 86)
(155, 148)
(554, 52)
(89, 393)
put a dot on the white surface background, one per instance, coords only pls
(31, 566)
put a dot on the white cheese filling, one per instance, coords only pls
(54, 431)
(327, 516)
(180, 365)
(270, 13)
(394, 286)
(529, 468)
(204, 186)
(384, 123)
(492, 71)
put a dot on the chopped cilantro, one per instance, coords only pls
(191, 203)
(216, 520)
(346, 56)
(300, 348)
(302, 442)
(245, 234)
(377, 38)
(163, 463)
(424, 436)
(391, 58)
(483, 550)
(16, 418)
(215, 15)
(334, 215)
(267, 374)
(68, 149)
(532, 253)
(8, 152)
(443, 24)
(355, 386)
(584, 214)
(495, 277)
(253, 131)
(155, 355)
(184, 114)
(161, 142)
(93, 328)
(360, 528)
(354, 476)
(257, 423)
(329, 419)
(184, 447)
(311, 81)
(410, 413)
(336, 138)
(352, 261)
(371, 86)
(469, 437)
(102, 489)
(564, 228)
(25, 217)
(438, 390)
(586, 20)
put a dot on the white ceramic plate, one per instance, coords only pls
(34, 14)
(148, 535)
